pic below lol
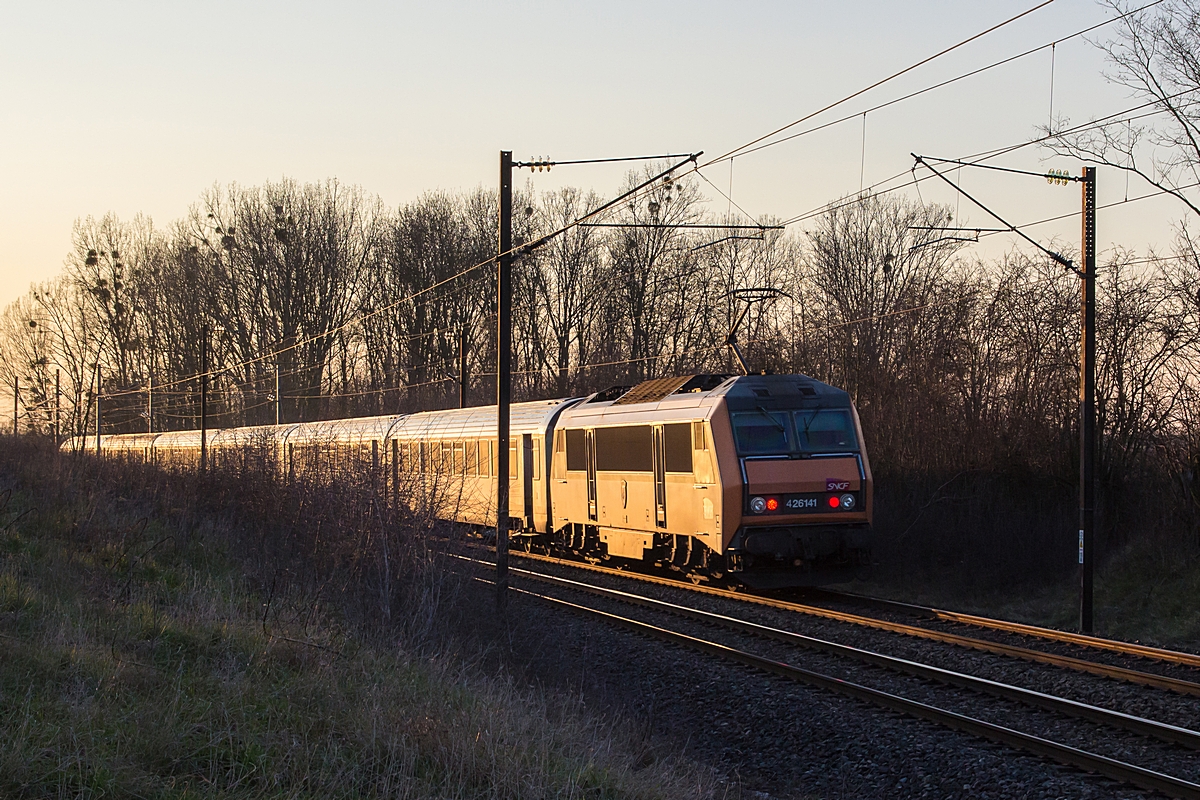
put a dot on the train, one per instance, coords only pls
(757, 478)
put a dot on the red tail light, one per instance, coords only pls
(834, 502)
(772, 504)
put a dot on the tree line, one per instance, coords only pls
(955, 363)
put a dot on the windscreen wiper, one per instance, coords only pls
(774, 421)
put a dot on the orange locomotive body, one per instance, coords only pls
(750, 476)
(715, 474)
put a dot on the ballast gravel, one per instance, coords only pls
(1093, 737)
(765, 735)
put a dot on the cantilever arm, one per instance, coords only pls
(1057, 257)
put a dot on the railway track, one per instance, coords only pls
(1004, 626)
(1135, 676)
(701, 638)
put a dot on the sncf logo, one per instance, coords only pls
(832, 485)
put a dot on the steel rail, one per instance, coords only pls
(1065, 754)
(1080, 639)
(983, 645)
(1140, 725)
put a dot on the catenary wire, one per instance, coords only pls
(738, 150)
(946, 82)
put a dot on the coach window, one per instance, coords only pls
(576, 450)
(625, 449)
(460, 466)
(472, 465)
(677, 441)
(512, 458)
(537, 459)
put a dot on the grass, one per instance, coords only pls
(1149, 591)
(1005, 546)
(143, 653)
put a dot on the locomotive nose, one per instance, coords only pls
(790, 487)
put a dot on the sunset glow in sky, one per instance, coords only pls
(137, 107)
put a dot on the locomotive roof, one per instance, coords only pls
(740, 391)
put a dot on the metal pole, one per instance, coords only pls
(1087, 407)
(278, 399)
(16, 400)
(150, 407)
(462, 367)
(98, 452)
(57, 403)
(204, 399)
(503, 372)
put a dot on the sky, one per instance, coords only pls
(138, 107)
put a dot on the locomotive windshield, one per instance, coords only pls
(825, 430)
(762, 432)
(815, 430)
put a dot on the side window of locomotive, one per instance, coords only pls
(625, 449)
(701, 456)
(677, 440)
(825, 430)
(576, 450)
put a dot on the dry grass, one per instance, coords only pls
(162, 637)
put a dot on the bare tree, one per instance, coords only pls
(1157, 56)
(284, 261)
(567, 288)
(655, 275)
(874, 262)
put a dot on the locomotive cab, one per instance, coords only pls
(805, 481)
(715, 474)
